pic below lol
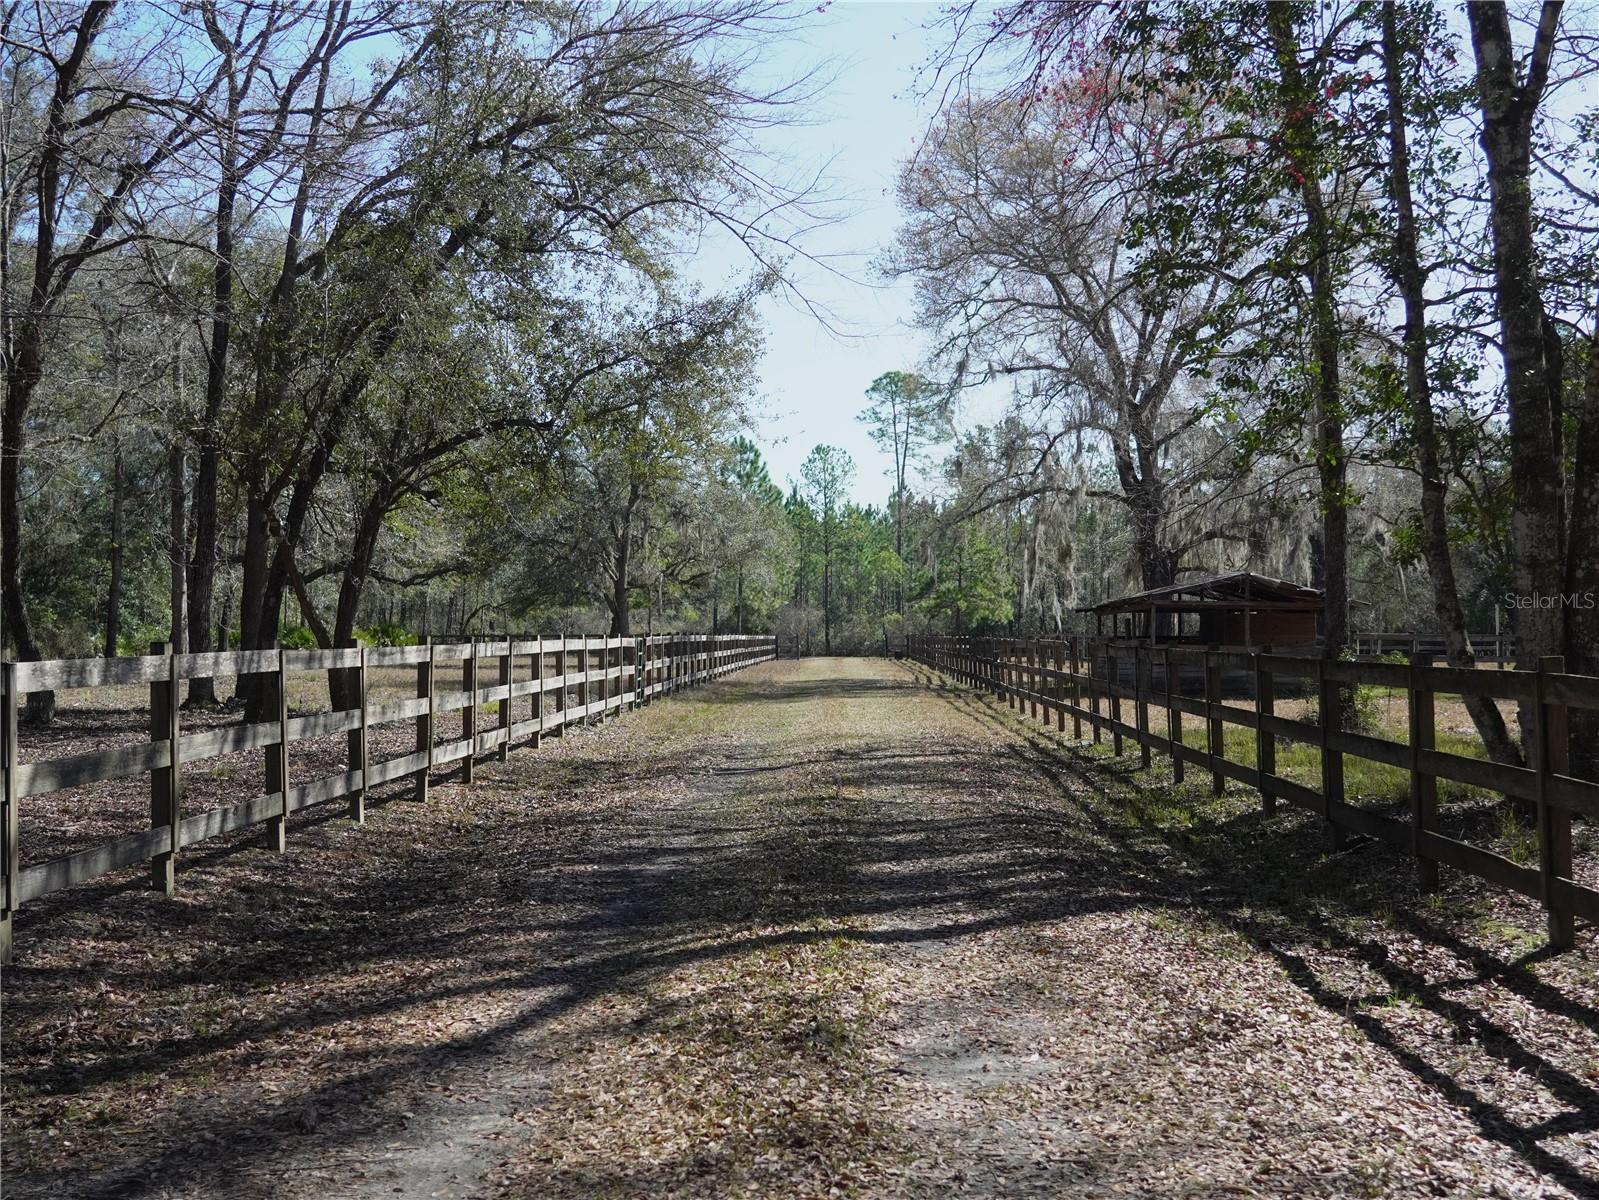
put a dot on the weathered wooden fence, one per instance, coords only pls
(1086, 680)
(1498, 648)
(569, 680)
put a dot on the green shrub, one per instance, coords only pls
(297, 637)
(1362, 708)
(385, 633)
(138, 639)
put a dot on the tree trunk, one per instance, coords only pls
(827, 595)
(275, 562)
(177, 528)
(902, 461)
(1304, 150)
(19, 627)
(343, 688)
(203, 560)
(621, 598)
(1408, 275)
(1582, 562)
(113, 599)
(254, 689)
(202, 571)
(1508, 111)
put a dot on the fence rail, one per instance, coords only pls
(569, 679)
(1083, 679)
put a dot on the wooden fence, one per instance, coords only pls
(569, 680)
(1498, 648)
(1084, 680)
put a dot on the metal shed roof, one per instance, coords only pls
(1236, 589)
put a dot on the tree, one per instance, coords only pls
(636, 474)
(1509, 102)
(1406, 39)
(1031, 274)
(105, 132)
(972, 587)
(907, 414)
(754, 531)
(825, 476)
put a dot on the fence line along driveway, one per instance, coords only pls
(1091, 679)
(828, 927)
(566, 680)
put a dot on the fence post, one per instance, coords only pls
(1423, 787)
(538, 691)
(639, 681)
(1215, 739)
(165, 782)
(1060, 685)
(1554, 823)
(1113, 699)
(277, 773)
(10, 859)
(1265, 740)
(1032, 679)
(1076, 688)
(358, 741)
(583, 678)
(1332, 761)
(560, 692)
(424, 720)
(507, 674)
(1143, 684)
(1096, 681)
(469, 713)
(1174, 716)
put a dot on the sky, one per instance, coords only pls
(864, 123)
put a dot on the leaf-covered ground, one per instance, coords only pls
(825, 928)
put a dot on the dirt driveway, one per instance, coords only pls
(826, 928)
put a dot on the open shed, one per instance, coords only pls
(1236, 610)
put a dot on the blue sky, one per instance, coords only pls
(863, 124)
